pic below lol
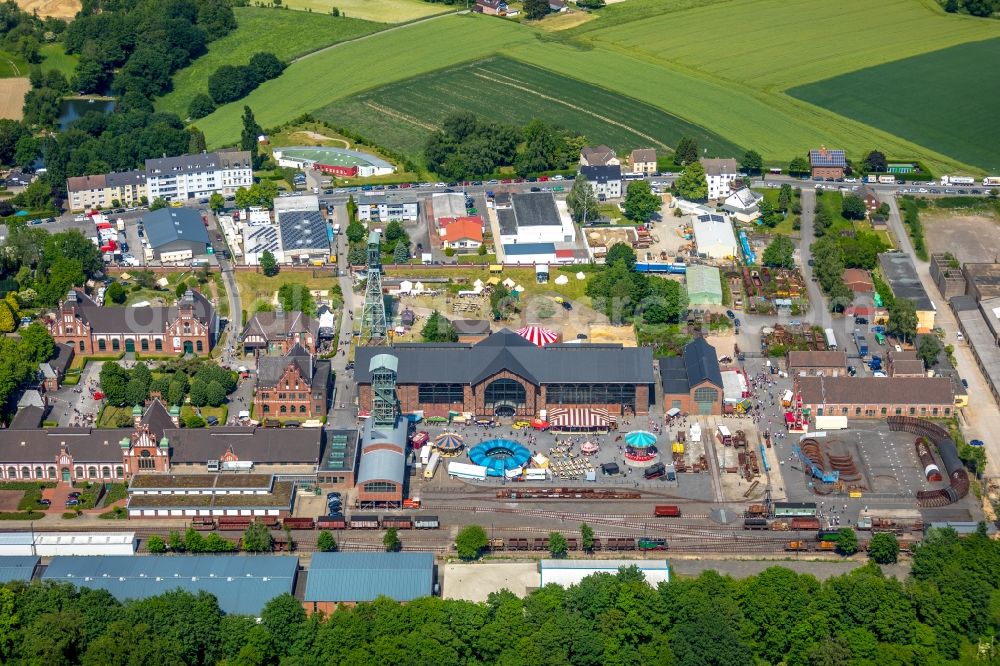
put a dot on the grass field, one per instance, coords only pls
(383, 11)
(286, 34)
(947, 120)
(401, 115)
(716, 65)
(55, 57)
(258, 287)
(12, 65)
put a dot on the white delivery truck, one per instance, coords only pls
(831, 422)
(432, 465)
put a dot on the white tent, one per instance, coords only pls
(418, 288)
(405, 287)
(509, 283)
(478, 284)
(695, 432)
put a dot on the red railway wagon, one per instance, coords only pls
(332, 522)
(805, 524)
(667, 511)
(399, 522)
(300, 523)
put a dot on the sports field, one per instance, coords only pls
(286, 34)
(722, 66)
(402, 115)
(383, 11)
(925, 99)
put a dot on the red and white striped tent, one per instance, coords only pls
(538, 335)
(582, 418)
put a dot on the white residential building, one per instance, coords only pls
(720, 174)
(192, 176)
(743, 204)
(606, 180)
(387, 208)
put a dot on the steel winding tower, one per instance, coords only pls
(373, 323)
(385, 407)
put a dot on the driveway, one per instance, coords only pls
(980, 416)
(75, 405)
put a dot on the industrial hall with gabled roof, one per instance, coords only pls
(506, 375)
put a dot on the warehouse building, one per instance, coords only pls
(533, 217)
(18, 567)
(52, 544)
(704, 285)
(572, 572)
(828, 363)
(506, 375)
(382, 463)
(692, 382)
(351, 578)
(304, 237)
(981, 327)
(209, 495)
(901, 276)
(242, 585)
(877, 397)
(176, 234)
(714, 236)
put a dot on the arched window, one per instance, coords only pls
(106, 472)
(505, 392)
(79, 471)
(115, 345)
(283, 409)
(11, 472)
(158, 344)
(102, 345)
(267, 408)
(144, 345)
(25, 472)
(92, 472)
(146, 460)
(119, 471)
(39, 473)
(302, 409)
(199, 346)
(83, 348)
(52, 471)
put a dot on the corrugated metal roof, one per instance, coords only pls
(605, 565)
(167, 225)
(367, 576)
(242, 584)
(17, 567)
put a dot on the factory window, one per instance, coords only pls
(144, 345)
(934, 411)
(283, 409)
(898, 411)
(947, 411)
(79, 472)
(11, 472)
(505, 392)
(159, 345)
(102, 345)
(119, 471)
(380, 487)
(302, 409)
(884, 411)
(857, 411)
(440, 394)
(25, 473)
(199, 346)
(92, 472)
(106, 472)
(267, 408)
(913, 410)
(597, 394)
(706, 395)
(52, 472)
(115, 344)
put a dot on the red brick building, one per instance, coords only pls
(692, 382)
(505, 375)
(827, 363)
(827, 163)
(877, 397)
(189, 327)
(277, 332)
(382, 464)
(294, 385)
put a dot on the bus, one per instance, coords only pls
(831, 339)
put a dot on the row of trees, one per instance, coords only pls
(19, 359)
(944, 612)
(45, 266)
(467, 147)
(232, 82)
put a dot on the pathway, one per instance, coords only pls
(373, 34)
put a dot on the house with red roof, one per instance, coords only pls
(464, 232)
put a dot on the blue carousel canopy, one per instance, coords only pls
(640, 438)
(499, 455)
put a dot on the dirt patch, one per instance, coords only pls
(64, 9)
(971, 237)
(316, 136)
(9, 499)
(12, 92)
(565, 20)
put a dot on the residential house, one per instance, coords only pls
(292, 386)
(557, 5)
(605, 180)
(858, 280)
(128, 188)
(721, 175)
(464, 233)
(492, 7)
(692, 382)
(743, 204)
(189, 327)
(53, 371)
(827, 163)
(200, 175)
(276, 333)
(868, 195)
(598, 156)
(643, 160)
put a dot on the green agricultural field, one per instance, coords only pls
(400, 116)
(383, 11)
(286, 34)
(55, 57)
(774, 44)
(12, 66)
(950, 120)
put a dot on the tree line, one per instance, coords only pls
(943, 612)
(232, 82)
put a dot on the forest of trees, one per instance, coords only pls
(945, 613)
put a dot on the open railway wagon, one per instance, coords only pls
(567, 493)
(330, 522)
(606, 544)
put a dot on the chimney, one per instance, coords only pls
(279, 311)
(175, 416)
(822, 151)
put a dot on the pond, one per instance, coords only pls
(72, 109)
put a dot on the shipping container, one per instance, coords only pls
(667, 511)
(426, 522)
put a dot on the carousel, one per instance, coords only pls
(640, 447)
(449, 444)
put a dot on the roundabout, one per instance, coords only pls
(499, 456)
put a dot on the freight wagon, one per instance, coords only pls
(667, 511)
(795, 509)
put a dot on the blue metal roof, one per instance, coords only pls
(168, 225)
(529, 248)
(242, 584)
(348, 577)
(17, 567)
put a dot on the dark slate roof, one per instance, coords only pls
(602, 174)
(901, 274)
(157, 418)
(126, 178)
(64, 356)
(198, 162)
(260, 445)
(507, 221)
(469, 363)
(303, 231)
(535, 209)
(827, 158)
(698, 363)
(86, 445)
(115, 319)
(27, 418)
(279, 325)
(168, 225)
(271, 368)
(356, 577)
(471, 326)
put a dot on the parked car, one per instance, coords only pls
(45, 502)
(860, 320)
(72, 502)
(730, 314)
(976, 442)
(965, 383)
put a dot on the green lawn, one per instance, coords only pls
(12, 66)
(402, 115)
(771, 195)
(832, 202)
(286, 34)
(221, 412)
(384, 11)
(717, 67)
(109, 416)
(258, 287)
(887, 95)
(55, 57)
